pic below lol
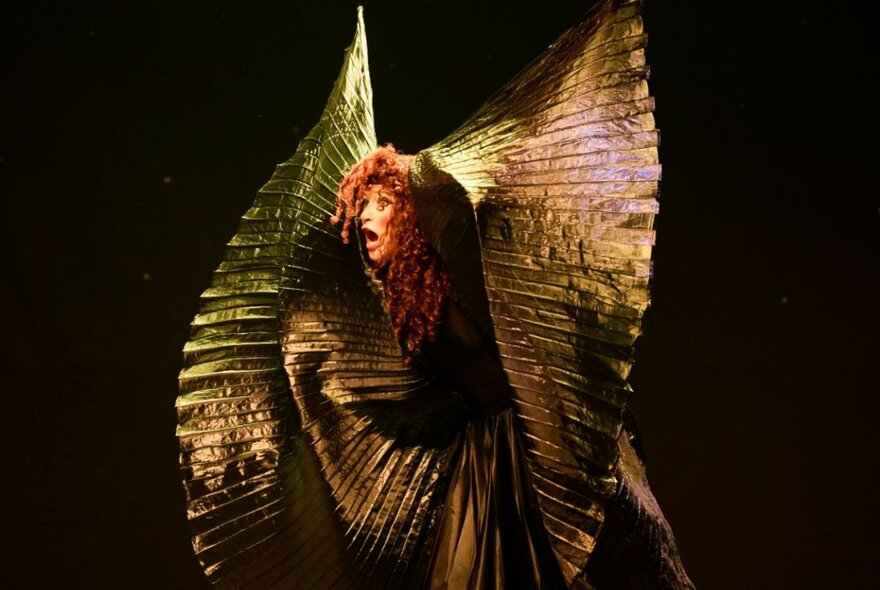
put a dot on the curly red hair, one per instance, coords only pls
(415, 279)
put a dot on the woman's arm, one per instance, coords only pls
(463, 356)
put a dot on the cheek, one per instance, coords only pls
(383, 219)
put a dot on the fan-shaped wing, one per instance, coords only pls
(542, 204)
(312, 456)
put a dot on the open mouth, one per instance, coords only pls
(370, 235)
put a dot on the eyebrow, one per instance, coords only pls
(386, 193)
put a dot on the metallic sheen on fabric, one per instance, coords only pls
(312, 455)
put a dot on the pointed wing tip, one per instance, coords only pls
(360, 29)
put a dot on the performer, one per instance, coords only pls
(490, 534)
(416, 282)
(441, 402)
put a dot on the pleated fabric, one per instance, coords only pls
(312, 456)
(542, 204)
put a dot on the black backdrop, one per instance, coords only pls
(133, 137)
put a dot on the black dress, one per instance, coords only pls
(491, 535)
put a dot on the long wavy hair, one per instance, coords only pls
(414, 277)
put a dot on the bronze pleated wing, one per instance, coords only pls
(543, 203)
(312, 456)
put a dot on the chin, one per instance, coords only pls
(376, 258)
(380, 257)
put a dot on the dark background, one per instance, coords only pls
(133, 137)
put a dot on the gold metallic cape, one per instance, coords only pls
(313, 456)
(545, 198)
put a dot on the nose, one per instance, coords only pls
(367, 212)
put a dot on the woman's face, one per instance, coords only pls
(377, 212)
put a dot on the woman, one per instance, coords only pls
(489, 533)
(416, 282)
